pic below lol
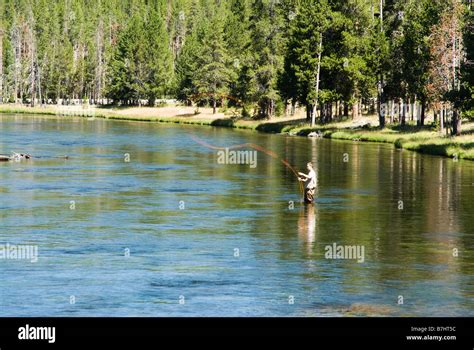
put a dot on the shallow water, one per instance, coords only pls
(183, 218)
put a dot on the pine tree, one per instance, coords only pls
(446, 50)
(467, 69)
(356, 24)
(267, 49)
(187, 60)
(237, 43)
(303, 61)
(213, 76)
(128, 66)
(420, 16)
(158, 58)
(266, 53)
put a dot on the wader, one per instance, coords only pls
(309, 195)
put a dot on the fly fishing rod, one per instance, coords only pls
(256, 147)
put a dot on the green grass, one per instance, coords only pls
(425, 140)
(50, 110)
(443, 147)
(23, 110)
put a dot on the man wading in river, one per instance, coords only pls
(310, 183)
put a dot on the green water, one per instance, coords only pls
(174, 233)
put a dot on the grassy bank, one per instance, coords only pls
(425, 140)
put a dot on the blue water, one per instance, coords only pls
(182, 217)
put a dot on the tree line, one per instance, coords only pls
(397, 58)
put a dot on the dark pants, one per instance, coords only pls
(309, 195)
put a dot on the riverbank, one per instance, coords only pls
(426, 140)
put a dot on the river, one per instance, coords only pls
(142, 220)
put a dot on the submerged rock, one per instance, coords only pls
(15, 156)
(315, 134)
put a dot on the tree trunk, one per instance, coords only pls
(32, 66)
(16, 69)
(214, 106)
(271, 111)
(346, 109)
(456, 123)
(392, 105)
(441, 120)
(380, 112)
(322, 113)
(313, 119)
(422, 116)
(309, 109)
(355, 110)
(379, 99)
(446, 121)
(99, 71)
(403, 115)
(33, 86)
(40, 96)
(399, 111)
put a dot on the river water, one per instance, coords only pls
(142, 220)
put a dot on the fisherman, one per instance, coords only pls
(310, 183)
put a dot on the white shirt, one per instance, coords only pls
(311, 180)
